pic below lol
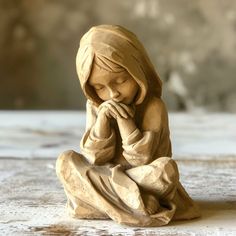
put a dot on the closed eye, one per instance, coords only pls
(98, 87)
(120, 80)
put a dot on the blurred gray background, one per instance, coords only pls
(191, 43)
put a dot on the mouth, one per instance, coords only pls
(118, 100)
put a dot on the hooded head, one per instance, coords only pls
(115, 49)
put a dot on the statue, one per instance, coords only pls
(125, 171)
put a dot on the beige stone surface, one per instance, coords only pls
(32, 202)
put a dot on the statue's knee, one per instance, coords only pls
(168, 167)
(64, 158)
(65, 155)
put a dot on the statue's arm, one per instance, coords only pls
(98, 148)
(141, 144)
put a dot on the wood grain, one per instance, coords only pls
(32, 202)
(30, 134)
(32, 199)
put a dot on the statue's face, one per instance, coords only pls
(116, 86)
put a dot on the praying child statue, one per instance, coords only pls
(124, 171)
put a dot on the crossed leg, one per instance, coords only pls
(160, 177)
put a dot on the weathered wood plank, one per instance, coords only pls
(39, 134)
(32, 202)
(46, 134)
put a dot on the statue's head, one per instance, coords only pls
(111, 55)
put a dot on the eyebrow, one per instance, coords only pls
(93, 84)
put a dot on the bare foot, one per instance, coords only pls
(151, 203)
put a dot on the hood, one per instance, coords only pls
(122, 47)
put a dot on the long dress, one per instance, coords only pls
(133, 181)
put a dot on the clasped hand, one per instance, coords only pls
(116, 110)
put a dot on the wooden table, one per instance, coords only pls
(32, 199)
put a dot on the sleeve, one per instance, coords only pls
(140, 147)
(151, 139)
(96, 150)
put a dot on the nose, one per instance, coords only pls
(113, 93)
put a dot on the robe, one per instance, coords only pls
(133, 181)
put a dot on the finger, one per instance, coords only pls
(103, 105)
(113, 110)
(105, 110)
(123, 113)
(102, 109)
(118, 110)
(109, 111)
(128, 109)
(110, 114)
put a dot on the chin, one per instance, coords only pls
(127, 103)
